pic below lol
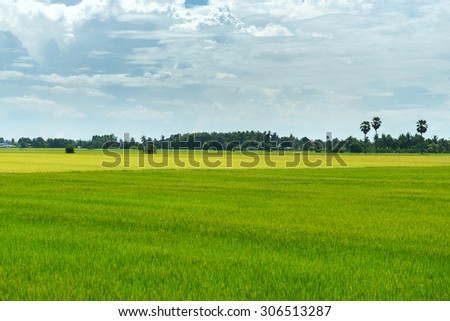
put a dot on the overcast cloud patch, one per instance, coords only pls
(287, 66)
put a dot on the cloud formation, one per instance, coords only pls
(292, 66)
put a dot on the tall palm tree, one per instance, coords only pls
(365, 128)
(422, 127)
(376, 123)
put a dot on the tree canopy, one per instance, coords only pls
(263, 140)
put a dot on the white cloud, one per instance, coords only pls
(295, 9)
(35, 104)
(224, 75)
(98, 54)
(97, 80)
(271, 30)
(36, 23)
(218, 15)
(80, 82)
(148, 56)
(10, 74)
(287, 58)
(22, 65)
(58, 22)
(83, 91)
(134, 35)
(141, 113)
(146, 6)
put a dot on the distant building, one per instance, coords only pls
(6, 145)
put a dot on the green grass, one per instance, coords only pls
(262, 234)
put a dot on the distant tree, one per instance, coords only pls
(98, 141)
(421, 127)
(70, 149)
(355, 148)
(318, 145)
(365, 128)
(444, 145)
(150, 147)
(38, 142)
(405, 142)
(267, 143)
(24, 142)
(275, 138)
(376, 123)
(433, 144)
(191, 142)
(388, 142)
(304, 143)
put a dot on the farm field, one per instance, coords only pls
(377, 229)
(55, 160)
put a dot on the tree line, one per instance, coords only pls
(405, 142)
(262, 140)
(96, 142)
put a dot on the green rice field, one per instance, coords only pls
(376, 229)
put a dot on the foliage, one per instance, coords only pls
(267, 140)
(422, 127)
(365, 128)
(70, 149)
(356, 148)
(150, 148)
(376, 123)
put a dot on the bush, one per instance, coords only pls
(70, 149)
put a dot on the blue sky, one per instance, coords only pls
(83, 67)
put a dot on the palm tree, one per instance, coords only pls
(422, 127)
(376, 123)
(365, 128)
